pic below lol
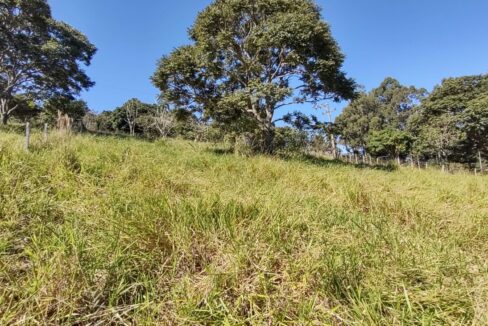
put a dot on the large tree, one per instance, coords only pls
(252, 57)
(39, 56)
(453, 121)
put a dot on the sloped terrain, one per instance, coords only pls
(100, 230)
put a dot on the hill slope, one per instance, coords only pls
(171, 232)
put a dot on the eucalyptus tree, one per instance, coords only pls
(39, 56)
(250, 58)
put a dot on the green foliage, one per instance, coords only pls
(356, 120)
(290, 139)
(381, 111)
(76, 109)
(41, 57)
(246, 59)
(102, 230)
(453, 123)
(389, 142)
(132, 113)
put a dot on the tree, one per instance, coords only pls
(252, 57)
(39, 56)
(475, 121)
(75, 109)
(131, 110)
(357, 120)
(387, 107)
(329, 128)
(397, 103)
(453, 122)
(392, 143)
(163, 121)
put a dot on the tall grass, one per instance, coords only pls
(102, 230)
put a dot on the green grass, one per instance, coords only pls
(100, 230)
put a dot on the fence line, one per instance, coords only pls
(347, 158)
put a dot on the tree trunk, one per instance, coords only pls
(4, 119)
(267, 134)
(334, 146)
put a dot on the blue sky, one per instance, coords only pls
(419, 42)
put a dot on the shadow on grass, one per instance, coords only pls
(312, 160)
(117, 135)
(324, 162)
(220, 151)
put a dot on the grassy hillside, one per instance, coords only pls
(97, 230)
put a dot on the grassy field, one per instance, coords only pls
(98, 230)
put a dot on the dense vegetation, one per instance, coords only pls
(98, 230)
(448, 125)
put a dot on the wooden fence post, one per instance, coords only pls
(27, 136)
(45, 132)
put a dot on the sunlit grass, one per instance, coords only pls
(99, 230)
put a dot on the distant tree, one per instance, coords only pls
(75, 109)
(453, 122)
(357, 120)
(329, 128)
(131, 110)
(397, 103)
(104, 122)
(90, 121)
(386, 108)
(391, 143)
(475, 121)
(163, 121)
(291, 139)
(133, 117)
(39, 56)
(252, 57)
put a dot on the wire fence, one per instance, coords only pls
(366, 160)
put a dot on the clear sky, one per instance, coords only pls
(419, 42)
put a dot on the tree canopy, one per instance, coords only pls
(453, 121)
(375, 115)
(251, 57)
(39, 56)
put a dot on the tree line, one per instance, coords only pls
(246, 60)
(448, 125)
